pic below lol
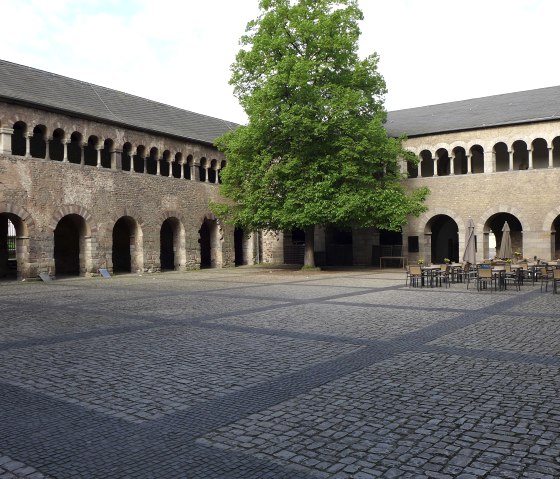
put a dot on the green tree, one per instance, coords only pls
(314, 151)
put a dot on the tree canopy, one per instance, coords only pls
(314, 151)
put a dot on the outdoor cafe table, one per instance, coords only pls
(429, 275)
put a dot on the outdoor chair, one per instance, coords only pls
(444, 275)
(555, 280)
(414, 276)
(513, 277)
(485, 279)
(544, 275)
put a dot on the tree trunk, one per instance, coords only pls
(309, 257)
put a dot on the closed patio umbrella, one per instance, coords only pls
(469, 256)
(505, 247)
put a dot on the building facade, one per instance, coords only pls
(93, 178)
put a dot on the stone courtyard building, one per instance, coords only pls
(94, 178)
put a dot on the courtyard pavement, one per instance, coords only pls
(264, 373)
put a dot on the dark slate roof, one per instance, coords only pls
(498, 110)
(55, 92)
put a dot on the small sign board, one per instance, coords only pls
(105, 273)
(45, 277)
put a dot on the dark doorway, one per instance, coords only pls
(339, 247)
(67, 246)
(122, 238)
(205, 245)
(8, 259)
(445, 239)
(167, 254)
(238, 236)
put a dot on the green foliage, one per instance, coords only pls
(314, 151)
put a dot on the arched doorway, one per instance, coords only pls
(12, 234)
(493, 233)
(169, 255)
(208, 244)
(69, 245)
(127, 240)
(444, 238)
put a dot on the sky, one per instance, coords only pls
(179, 52)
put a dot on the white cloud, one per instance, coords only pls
(179, 53)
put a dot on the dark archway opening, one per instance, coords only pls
(166, 242)
(90, 151)
(205, 245)
(56, 147)
(445, 239)
(122, 240)
(37, 143)
(18, 139)
(67, 245)
(74, 148)
(8, 253)
(339, 247)
(238, 238)
(494, 226)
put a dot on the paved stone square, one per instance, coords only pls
(272, 373)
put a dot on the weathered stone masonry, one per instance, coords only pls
(36, 194)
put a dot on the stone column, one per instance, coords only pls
(98, 151)
(206, 179)
(451, 165)
(217, 179)
(469, 164)
(116, 159)
(158, 168)
(182, 169)
(145, 161)
(83, 153)
(47, 149)
(6, 141)
(28, 146)
(530, 154)
(550, 158)
(490, 165)
(65, 142)
(510, 160)
(170, 175)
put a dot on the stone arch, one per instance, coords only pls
(188, 168)
(502, 209)
(202, 169)
(76, 246)
(14, 251)
(425, 245)
(165, 164)
(477, 158)
(539, 148)
(426, 163)
(75, 147)
(441, 236)
(19, 140)
(38, 142)
(211, 236)
(56, 145)
(152, 161)
(127, 247)
(460, 162)
(443, 163)
(520, 155)
(501, 153)
(172, 242)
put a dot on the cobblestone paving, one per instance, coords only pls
(264, 373)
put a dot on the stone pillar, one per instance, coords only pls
(47, 149)
(158, 167)
(451, 165)
(116, 159)
(217, 179)
(65, 142)
(83, 153)
(550, 158)
(206, 179)
(6, 141)
(195, 171)
(145, 161)
(170, 168)
(489, 159)
(469, 164)
(510, 160)
(98, 151)
(530, 154)
(28, 146)
(182, 169)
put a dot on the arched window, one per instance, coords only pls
(540, 153)
(443, 163)
(202, 169)
(177, 165)
(426, 164)
(56, 145)
(460, 163)
(19, 143)
(38, 143)
(90, 151)
(106, 153)
(477, 159)
(75, 148)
